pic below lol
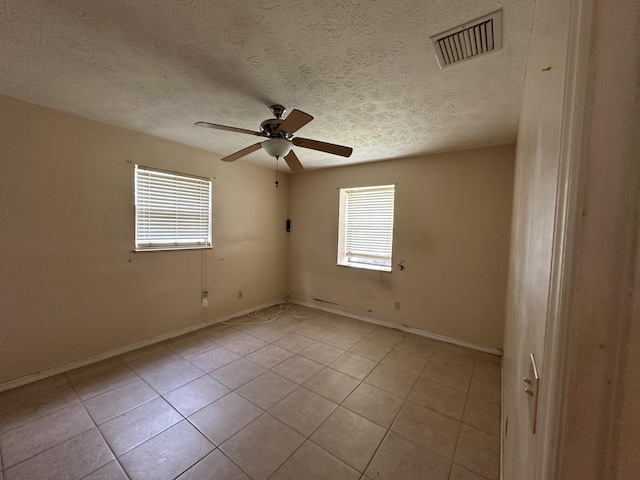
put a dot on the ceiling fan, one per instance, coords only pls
(280, 141)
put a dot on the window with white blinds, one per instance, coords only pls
(173, 210)
(365, 232)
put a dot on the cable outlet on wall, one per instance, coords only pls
(205, 299)
(397, 305)
(239, 293)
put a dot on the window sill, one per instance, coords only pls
(169, 249)
(380, 268)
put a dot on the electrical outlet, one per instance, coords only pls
(239, 293)
(205, 302)
(397, 305)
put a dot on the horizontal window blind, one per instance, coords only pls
(367, 225)
(173, 211)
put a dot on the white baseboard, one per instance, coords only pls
(50, 372)
(415, 331)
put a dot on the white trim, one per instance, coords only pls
(568, 219)
(366, 266)
(503, 423)
(173, 211)
(404, 328)
(363, 211)
(50, 372)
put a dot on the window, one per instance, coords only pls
(173, 210)
(365, 231)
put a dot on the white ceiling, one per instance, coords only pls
(364, 69)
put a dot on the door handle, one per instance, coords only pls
(532, 388)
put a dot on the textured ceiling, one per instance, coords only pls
(365, 70)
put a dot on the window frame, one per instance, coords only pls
(144, 243)
(364, 261)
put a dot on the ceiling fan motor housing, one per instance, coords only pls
(270, 126)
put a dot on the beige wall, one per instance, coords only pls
(70, 287)
(452, 225)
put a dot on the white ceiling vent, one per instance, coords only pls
(470, 40)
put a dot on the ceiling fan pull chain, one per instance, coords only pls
(277, 172)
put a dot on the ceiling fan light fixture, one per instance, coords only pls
(277, 147)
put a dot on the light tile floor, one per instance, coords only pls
(325, 397)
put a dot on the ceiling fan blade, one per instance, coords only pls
(293, 162)
(229, 129)
(241, 153)
(322, 146)
(294, 122)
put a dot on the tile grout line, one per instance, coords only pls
(317, 340)
(388, 429)
(5, 468)
(80, 401)
(159, 395)
(299, 386)
(115, 457)
(466, 401)
(406, 399)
